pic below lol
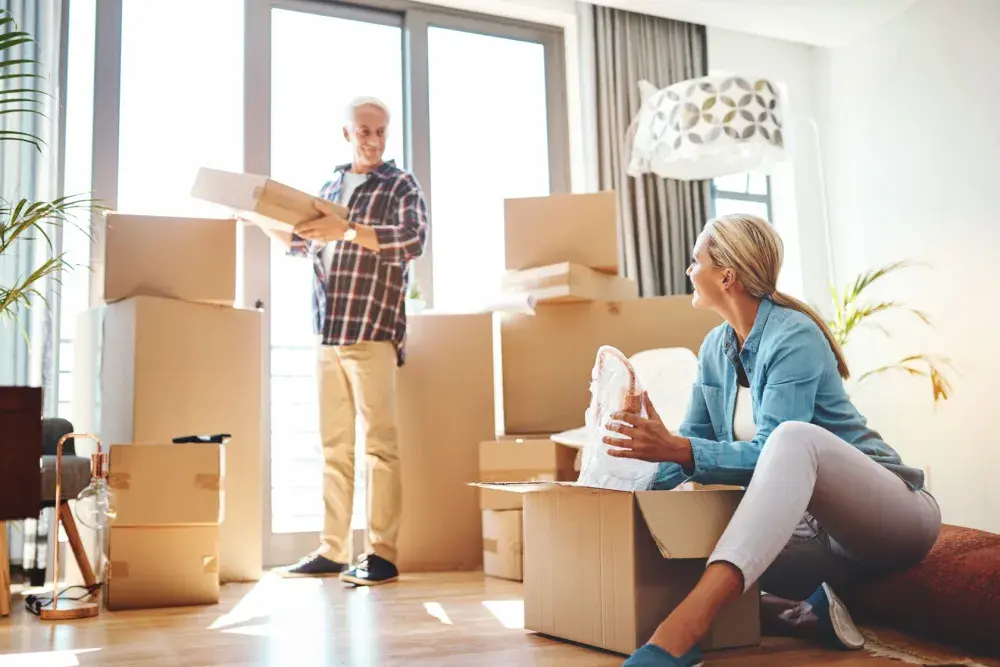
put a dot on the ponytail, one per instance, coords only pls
(787, 301)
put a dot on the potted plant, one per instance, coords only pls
(414, 296)
(851, 311)
(24, 221)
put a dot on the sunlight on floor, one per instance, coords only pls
(45, 658)
(437, 611)
(510, 613)
(267, 598)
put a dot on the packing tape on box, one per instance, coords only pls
(122, 481)
(210, 564)
(490, 545)
(119, 481)
(208, 482)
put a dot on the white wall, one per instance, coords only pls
(795, 186)
(911, 141)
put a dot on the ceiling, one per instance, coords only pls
(827, 23)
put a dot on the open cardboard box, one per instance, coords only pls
(259, 199)
(604, 568)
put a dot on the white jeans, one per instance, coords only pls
(818, 509)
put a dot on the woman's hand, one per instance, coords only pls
(648, 439)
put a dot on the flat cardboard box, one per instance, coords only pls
(191, 259)
(547, 358)
(578, 228)
(151, 369)
(445, 406)
(259, 199)
(503, 544)
(512, 460)
(569, 283)
(167, 484)
(161, 566)
(604, 568)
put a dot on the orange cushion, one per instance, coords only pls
(952, 597)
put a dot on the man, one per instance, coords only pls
(358, 313)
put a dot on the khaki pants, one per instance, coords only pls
(359, 379)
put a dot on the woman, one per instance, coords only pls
(826, 499)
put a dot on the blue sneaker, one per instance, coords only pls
(834, 620)
(652, 655)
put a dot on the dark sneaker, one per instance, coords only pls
(834, 621)
(371, 570)
(313, 565)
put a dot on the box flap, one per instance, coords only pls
(687, 524)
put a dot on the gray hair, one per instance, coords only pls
(359, 102)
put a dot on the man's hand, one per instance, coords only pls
(647, 438)
(326, 228)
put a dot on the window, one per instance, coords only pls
(74, 296)
(181, 103)
(306, 144)
(508, 124)
(742, 193)
(202, 93)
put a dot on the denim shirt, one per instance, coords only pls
(793, 377)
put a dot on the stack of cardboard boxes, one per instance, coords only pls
(164, 542)
(600, 567)
(165, 354)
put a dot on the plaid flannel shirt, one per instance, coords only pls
(362, 296)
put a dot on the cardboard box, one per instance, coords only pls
(604, 568)
(167, 485)
(503, 544)
(259, 199)
(150, 369)
(445, 406)
(162, 567)
(569, 283)
(577, 228)
(191, 259)
(547, 358)
(513, 460)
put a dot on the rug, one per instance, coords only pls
(894, 645)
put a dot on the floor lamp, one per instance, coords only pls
(713, 126)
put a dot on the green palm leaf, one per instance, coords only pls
(14, 44)
(850, 313)
(27, 220)
(920, 365)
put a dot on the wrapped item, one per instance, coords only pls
(614, 387)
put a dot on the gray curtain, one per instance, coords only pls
(660, 218)
(26, 173)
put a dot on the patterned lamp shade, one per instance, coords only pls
(707, 127)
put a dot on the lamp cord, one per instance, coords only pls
(35, 603)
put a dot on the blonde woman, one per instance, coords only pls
(826, 499)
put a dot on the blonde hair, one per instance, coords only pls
(751, 248)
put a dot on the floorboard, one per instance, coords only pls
(444, 620)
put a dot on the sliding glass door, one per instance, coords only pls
(477, 115)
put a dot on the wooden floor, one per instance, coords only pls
(442, 620)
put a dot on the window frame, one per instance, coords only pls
(253, 283)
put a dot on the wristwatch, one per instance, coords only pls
(352, 232)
